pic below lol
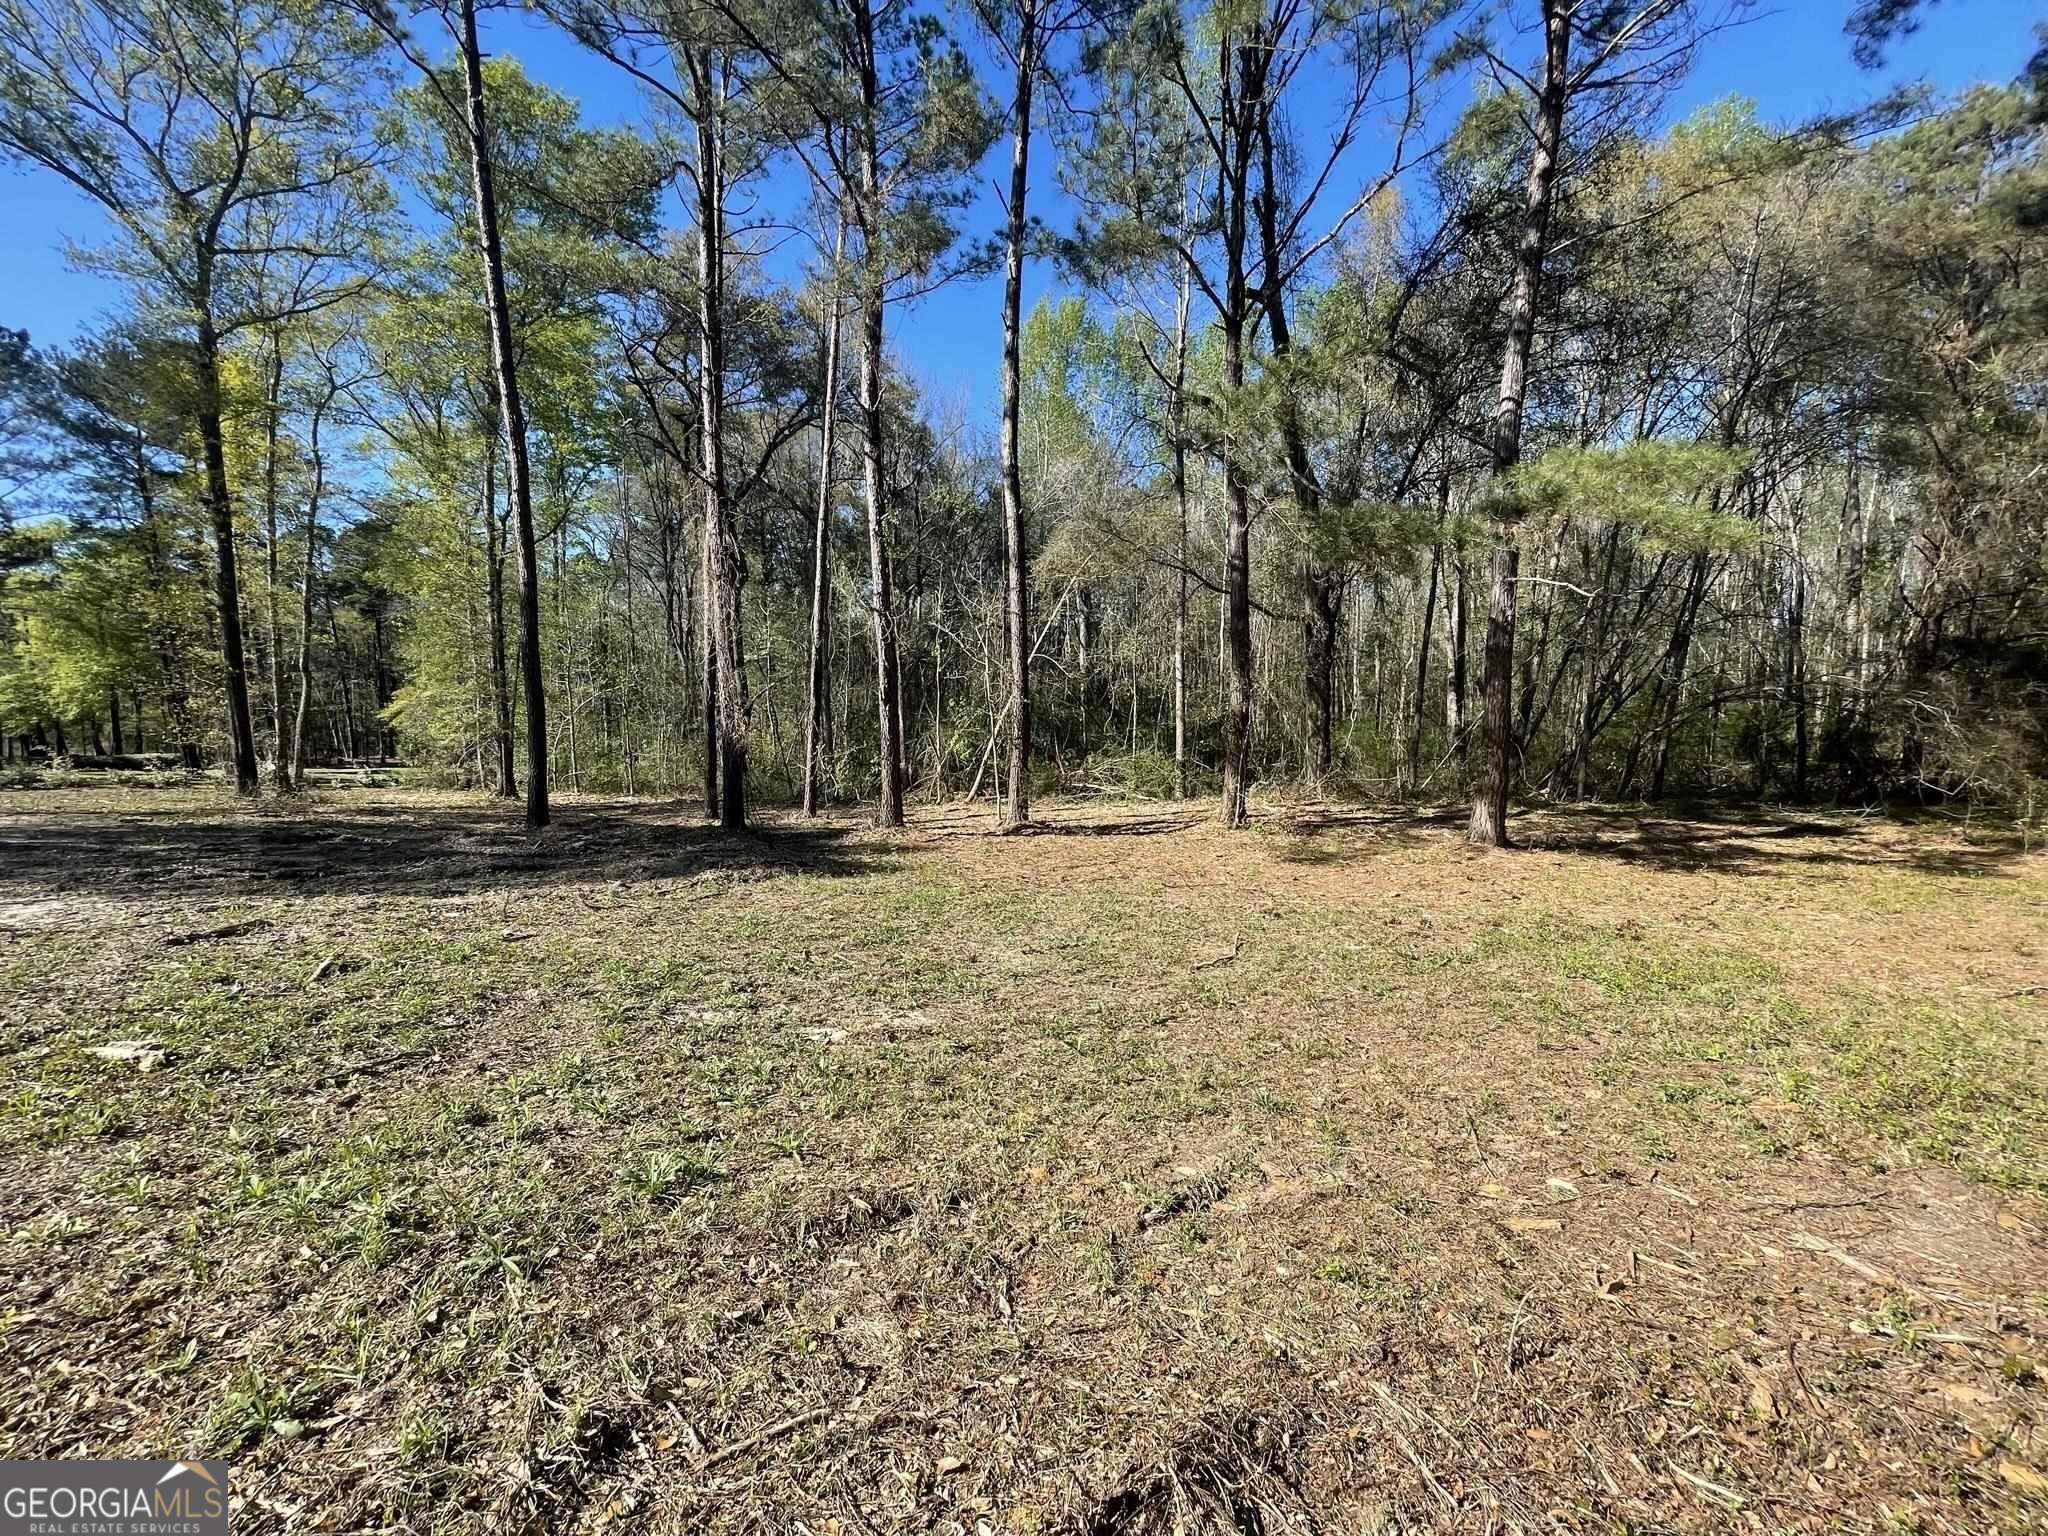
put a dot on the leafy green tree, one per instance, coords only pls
(233, 151)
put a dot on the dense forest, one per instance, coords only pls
(1421, 408)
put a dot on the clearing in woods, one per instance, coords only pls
(1126, 1176)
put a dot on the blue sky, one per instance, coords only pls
(1792, 60)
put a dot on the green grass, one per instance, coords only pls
(862, 1136)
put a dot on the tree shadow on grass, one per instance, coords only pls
(1063, 818)
(1333, 833)
(1703, 838)
(1128, 826)
(1758, 843)
(405, 850)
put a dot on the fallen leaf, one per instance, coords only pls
(147, 1055)
(949, 1465)
(1967, 1395)
(2020, 1475)
(1533, 1224)
(1494, 1191)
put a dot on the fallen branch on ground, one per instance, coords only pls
(788, 1426)
(224, 931)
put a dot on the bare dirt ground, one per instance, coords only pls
(1669, 1174)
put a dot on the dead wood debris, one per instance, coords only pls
(224, 931)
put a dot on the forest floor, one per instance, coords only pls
(1123, 1176)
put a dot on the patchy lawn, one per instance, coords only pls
(1123, 1176)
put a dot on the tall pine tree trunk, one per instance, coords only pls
(227, 588)
(707, 552)
(722, 561)
(1489, 825)
(513, 416)
(1237, 556)
(1180, 497)
(818, 719)
(881, 603)
(1322, 589)
(1016, 565)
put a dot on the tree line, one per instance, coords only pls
(1419, 408)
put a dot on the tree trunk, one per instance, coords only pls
(1489, 825)
(1680, 654)
(1436, 560)
(1321, 595)
(518, 488)
(1237, 560)
(344, 670)
(722, 559)
(227, 588)
(319, 486)
(272, 407)
(881, 605)
(1490, 799)
(506, 786)
(1322, 589)
(1454, 688)
(707, 552)
(1237, 736)
(1178, 407)
(1017, 591)
(380, 684)
(1795, 679)
(818, 719)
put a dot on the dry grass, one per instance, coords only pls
(1126, 1176)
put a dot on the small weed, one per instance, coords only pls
(1102, 1263)
(424, 1437)
(253, 1408)
(668, 1174)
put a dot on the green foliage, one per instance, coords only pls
(1664, 489)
